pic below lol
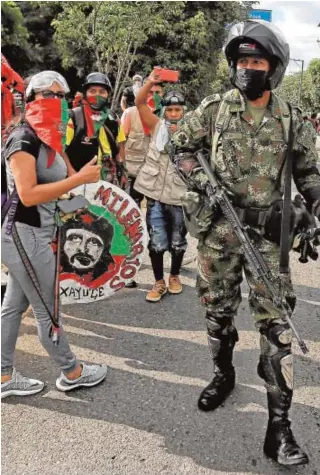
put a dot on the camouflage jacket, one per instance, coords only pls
(248, 160)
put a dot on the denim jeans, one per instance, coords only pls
(166, 227)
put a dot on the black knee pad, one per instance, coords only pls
(276, 364)
(221, 327)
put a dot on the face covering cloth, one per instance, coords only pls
(154, 103)
(163, 136)
(94, 117)
(49, 119)
(251, 82)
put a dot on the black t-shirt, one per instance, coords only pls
(24, 139)
(129, 95)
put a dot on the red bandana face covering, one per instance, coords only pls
(49, 119)
(95, 117)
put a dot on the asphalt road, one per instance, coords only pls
(143, 420)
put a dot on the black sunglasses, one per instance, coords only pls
(52, 95)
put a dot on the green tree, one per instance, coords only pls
(314, 71)
(13, 31)
(120, 38)
(37, 50)
(106, 35)
(221, 83)
(192, 44)
(310, 92)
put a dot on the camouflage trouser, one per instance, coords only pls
(220, 264)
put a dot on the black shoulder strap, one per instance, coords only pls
(10, 206)
(286, 212)
(112, 138)
(77, 117)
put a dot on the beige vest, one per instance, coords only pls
(137, 144)
(158, 179)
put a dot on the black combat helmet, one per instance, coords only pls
(173, 98)
(97, 79)
(273, 46)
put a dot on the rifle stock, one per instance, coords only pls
(256, 261)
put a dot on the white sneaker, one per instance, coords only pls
(19, 385)
(91, 376)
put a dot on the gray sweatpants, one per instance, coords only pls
(20, 292)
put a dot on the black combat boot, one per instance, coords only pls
(279, 444)
(222, 337)
(276, 368)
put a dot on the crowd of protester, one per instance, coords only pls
(41, 163)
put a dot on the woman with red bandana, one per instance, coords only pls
(37, 171)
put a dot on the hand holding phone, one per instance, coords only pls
(168, 75)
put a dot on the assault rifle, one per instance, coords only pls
(217, 194)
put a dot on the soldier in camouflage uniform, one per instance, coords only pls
(248, 132)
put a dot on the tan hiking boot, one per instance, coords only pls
(175, 286)
(157, 292)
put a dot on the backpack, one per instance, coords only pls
(110, 126)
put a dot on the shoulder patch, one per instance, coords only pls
(210, 100)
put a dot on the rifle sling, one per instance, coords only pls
(286, 212)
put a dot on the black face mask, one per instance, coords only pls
(251, 82)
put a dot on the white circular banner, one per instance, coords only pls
(102, 246)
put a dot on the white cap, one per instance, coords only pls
(137, 77)
(40, 81)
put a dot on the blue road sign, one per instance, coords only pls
(261, 15)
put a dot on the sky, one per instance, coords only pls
(298, 22)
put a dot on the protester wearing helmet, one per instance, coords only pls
(37, 176)
(247, 131)
(94, 130)
(163, 188)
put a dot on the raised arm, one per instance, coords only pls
(147, 117)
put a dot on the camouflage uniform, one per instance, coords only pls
(248, 162)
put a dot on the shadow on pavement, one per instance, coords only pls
(169, 410)
(231, 438)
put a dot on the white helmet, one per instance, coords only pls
(40, 81)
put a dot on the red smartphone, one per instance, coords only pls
(168, 75)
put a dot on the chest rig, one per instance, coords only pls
(250, 215)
